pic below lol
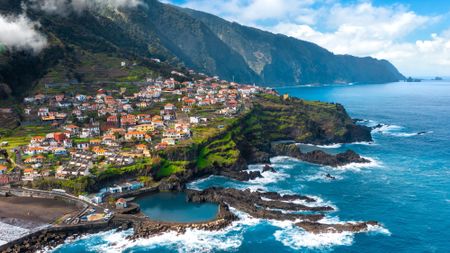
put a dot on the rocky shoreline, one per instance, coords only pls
(263, 205)
(317, 156)
(273, 206)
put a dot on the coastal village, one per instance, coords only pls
(114, 128)
(82, 157)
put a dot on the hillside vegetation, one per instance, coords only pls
(89, 46)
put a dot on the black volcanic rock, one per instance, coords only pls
(268, 168)
(241, 175)
(317, 156)
(318, 228)
(259, 204)
(342, 159)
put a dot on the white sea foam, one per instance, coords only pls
(358, 166)
(378, 230)
(321, 177)
(330, 146)
(228, 239)
(318, 201)
(366, 143)
(410, 134)
(268, 178)
(283, 159)
(396, 131)
(296, 238)
(195, 185)
(388, 128)
(10, 233)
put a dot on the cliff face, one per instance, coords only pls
(250, 139)
(278, 59)
(274, 119)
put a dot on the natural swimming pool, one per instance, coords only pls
(173, 207)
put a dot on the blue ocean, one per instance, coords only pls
(406, 187)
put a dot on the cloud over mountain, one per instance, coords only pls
(19, 33)
(63, 7)
(363, 28)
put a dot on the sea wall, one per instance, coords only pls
(32, 193)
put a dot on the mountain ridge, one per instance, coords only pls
(99, 39)
(221, 27)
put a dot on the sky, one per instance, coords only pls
(414, 35)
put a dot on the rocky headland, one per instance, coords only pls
(273, 206)
(255, 137)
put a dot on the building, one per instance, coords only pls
(59, 137)
(135, 135)
(145, 128)
(29, 174)
(194, 120)
(121, 203)
(170, 107)
(74, 168)
(3, 169)
(128, 120)
(87, 132)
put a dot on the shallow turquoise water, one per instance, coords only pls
(173, 207)
(406, 188)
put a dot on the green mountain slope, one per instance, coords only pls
(89, 46)
(280, 59)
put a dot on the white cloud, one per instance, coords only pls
(63, 7)
(250, 12)
(19, 33)
(365, 30)
(360, 29)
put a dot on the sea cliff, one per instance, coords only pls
(260, 133)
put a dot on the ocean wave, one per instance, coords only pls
(371, 229)
(322, 177)
(194, 240)
(296, 238)
(396, 130)
(318, 202)
(268, 176)
(384, 128)
(283, 159)
(329, 146)
(379, 230)
(227, 239)
(358, 166)
(195, 185)
(365, 143)
(410, 134)
(10, 233)
(340, 145)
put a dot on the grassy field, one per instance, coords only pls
(22, 135)
(170, 167)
